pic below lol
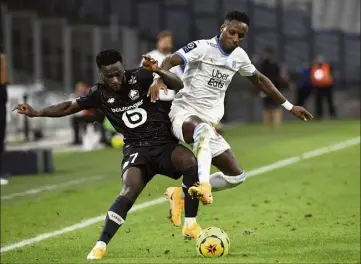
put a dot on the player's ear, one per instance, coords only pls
(223, 27)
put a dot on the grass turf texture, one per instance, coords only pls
(306, 212)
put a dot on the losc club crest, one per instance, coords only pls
(133, 94)
(132, 80)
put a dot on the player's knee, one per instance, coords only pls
(234, 172)
(183, 158)
(201, 129)
(193, 128)
(185, 162)
(187, 166)
(202, 133)
(131, 192)
(188, 162)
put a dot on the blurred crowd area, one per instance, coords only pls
(309, 49)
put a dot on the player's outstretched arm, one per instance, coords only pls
(264, 84)
(58, 110)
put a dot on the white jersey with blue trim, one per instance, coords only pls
(207, 75)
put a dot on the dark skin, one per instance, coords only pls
(232, 34)
(133, 180)
(113, 76)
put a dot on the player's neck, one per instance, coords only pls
(221, 48)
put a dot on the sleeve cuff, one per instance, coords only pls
(182, 56)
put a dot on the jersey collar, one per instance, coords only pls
(219, 46)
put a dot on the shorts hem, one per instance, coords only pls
(219, 152)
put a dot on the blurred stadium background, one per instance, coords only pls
(50, 45)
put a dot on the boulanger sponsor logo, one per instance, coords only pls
(126, 108)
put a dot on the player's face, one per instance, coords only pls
(113, 75)
(165, 44)
(232, 35)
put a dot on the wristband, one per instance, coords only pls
(287, 105)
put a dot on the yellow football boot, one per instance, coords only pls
(176, 200)
(98, 251)
(202, 191)
(191, 231)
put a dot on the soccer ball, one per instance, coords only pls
(213, 242)
(117, 141)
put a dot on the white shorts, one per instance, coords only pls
(177, 116)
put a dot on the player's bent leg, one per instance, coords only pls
(230, 174)
(185, 163)
(133, 184)
(196, 131)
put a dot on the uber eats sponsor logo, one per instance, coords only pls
(126, 108)
(218, 79)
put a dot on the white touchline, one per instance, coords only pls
(263, 169)
(51, 187)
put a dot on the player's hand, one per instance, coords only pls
(26, 109)
(153, 91)
(301, 113)
(150, 64)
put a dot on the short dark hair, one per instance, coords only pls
(237, 15)
(108, 57)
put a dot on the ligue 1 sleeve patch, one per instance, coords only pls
(189, 47)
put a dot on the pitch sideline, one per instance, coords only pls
(137, 207)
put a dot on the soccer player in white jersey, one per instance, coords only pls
(210, 67)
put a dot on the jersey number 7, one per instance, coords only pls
(132, 159)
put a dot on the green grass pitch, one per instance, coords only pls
(307, 212)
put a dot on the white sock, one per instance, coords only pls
(100, 244)
(188, 221)
(219, 181)
(202, 151)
